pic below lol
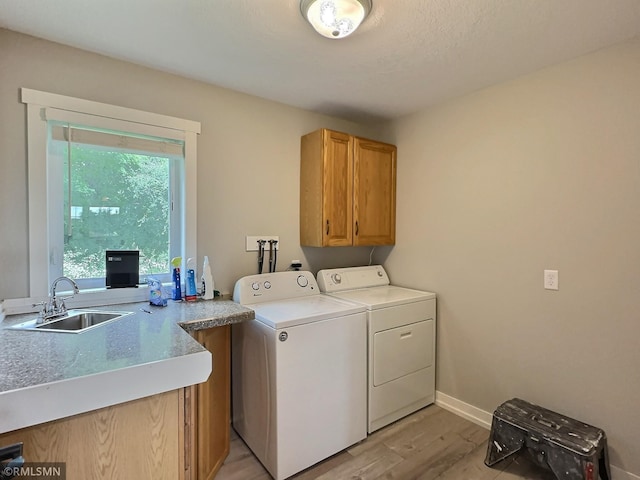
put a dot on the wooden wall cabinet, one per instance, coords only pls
(347, 190)
(207, 409)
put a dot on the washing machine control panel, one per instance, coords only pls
(274, 286)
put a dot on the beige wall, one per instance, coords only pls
(493, 188)
(248, 155)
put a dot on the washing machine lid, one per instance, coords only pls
(384, 296)
(299, 311)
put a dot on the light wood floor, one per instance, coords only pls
(430, 444)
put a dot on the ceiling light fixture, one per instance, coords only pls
(335, 18)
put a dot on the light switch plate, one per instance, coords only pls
(551, 279)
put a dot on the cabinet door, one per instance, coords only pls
(212, 406)
(337, 186)
(133, 440)
(374, 193)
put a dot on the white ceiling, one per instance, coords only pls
(407, 55)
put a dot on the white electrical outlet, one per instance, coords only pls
(551, 279)
(252, 242)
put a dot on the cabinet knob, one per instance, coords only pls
(357, 227)
(327, 227)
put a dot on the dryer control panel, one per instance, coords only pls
(351, 278)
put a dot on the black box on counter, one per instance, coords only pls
(123, 267)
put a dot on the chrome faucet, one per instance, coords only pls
(55, 306)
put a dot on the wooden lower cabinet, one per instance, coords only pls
(208, 408)
(181, 434)
(138, 439)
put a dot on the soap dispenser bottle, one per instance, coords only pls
(191, 295)
(207, 280)
(177, 290)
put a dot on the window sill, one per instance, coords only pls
(91, 297)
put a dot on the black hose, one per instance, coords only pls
(275, 254)
(260, 255)
(270, 256)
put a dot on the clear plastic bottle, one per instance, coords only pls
(207, 280)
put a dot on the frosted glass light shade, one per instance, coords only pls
(335, 18)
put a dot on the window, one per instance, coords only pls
(120, 192)
(111, 178)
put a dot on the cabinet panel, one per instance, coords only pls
(374, 193)
(212, 406)
(137, 439)
(312, 223)
(338, 189)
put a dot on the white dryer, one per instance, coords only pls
(401, 326)
(298, 372)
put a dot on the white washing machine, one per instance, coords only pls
(298, 372)
(401, 325)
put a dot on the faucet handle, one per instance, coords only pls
(61, 307)
(42, 312)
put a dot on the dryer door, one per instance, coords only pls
(402, 350)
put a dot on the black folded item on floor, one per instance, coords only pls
(572, 450)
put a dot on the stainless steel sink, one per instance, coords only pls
(76, 321)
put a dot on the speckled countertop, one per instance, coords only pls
(135, 356)
(207, 313)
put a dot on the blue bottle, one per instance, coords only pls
(177, 290)
(192, 294)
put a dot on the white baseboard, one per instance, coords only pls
(619, 474)
(464, 410)
(483, 418)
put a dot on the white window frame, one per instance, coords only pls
(55, 197)
(42, 106)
